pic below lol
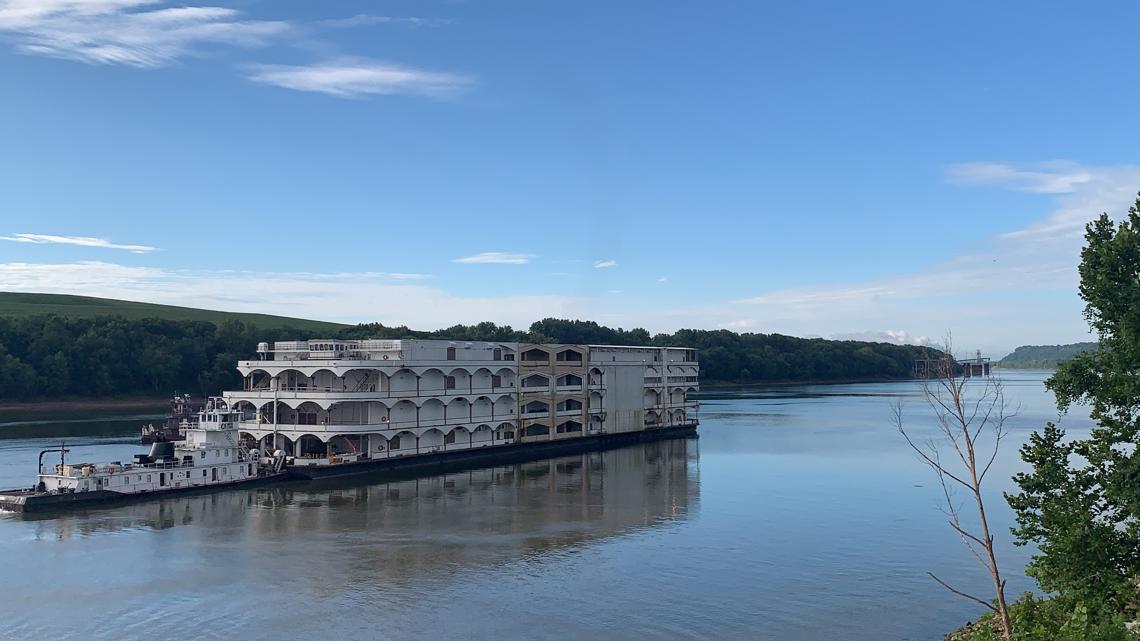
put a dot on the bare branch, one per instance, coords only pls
(960, 593)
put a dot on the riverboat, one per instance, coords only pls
(339, 407)
(210, 457)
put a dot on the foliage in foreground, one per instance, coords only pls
(1079, 503)
(1036, 619)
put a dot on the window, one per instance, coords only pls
(450, 353)
(496, 380)
(394, 444)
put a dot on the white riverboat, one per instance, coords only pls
(211, 456)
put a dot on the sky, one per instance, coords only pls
(884, 171)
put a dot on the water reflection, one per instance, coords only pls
(414, 526)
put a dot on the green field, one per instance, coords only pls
(19, 305)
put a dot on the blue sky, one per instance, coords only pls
(892, 170)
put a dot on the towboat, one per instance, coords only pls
(211, 456)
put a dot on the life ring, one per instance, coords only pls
(385, 357)
(383, 419)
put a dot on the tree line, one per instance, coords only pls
(52, 356)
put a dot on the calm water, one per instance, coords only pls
(798, 514)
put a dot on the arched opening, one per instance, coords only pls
(569, 356)
(431, 383)
(652, 398)
(403, 413)
(505, 432)
(431, 441)
(536, 429)
(535, 381)
(535, 355)
(431, 412)
(402, 443)
(309, 446)
(362, 380)
(483, 435)
(481, 408)
(596, 376)
(324, 380)
(257, 380)
(536, 407)
(459, 437)
(570, 404)
(569, 380)
(570, 427)
(652, 418)
(309, 413)
(403, 382)
(458, 411)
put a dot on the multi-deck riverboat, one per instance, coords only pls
(209, 457)
(349, 406)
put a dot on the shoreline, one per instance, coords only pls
(101, 405)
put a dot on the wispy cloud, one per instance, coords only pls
(604, 264)
(351, 78)
(368, 20)
(495, 258)
(663, 279)
(1054, 177)
(82, 241)
(1020, 276)
(344, 296)
(139, 33)
(895, 336)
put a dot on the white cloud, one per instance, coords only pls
(603, 264)
(82, 241)
(663, 279)
(1055, 177)
(345, 297)
(368, 20)
(895, 336)
(738, 325)
(350, 78)
(139, 33)
(1019, 288)
(495, 258)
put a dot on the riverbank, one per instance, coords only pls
(70, 406)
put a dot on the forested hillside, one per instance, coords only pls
(53, 356)
(1043, 356)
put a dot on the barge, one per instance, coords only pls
(340, 407)
(209, 458)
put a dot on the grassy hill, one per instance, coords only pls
(20, 305)
(1043, 356)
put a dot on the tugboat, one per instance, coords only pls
(209, 457)
(179, 419)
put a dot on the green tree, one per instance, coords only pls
(1080, 503)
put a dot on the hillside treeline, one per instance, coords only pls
(53, 356)
(1044, 356)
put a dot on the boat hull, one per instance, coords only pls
(35, 502)
(441, 462)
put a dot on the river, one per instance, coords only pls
(798, 514)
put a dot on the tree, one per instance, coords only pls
(963, 424)
(1080, 503)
